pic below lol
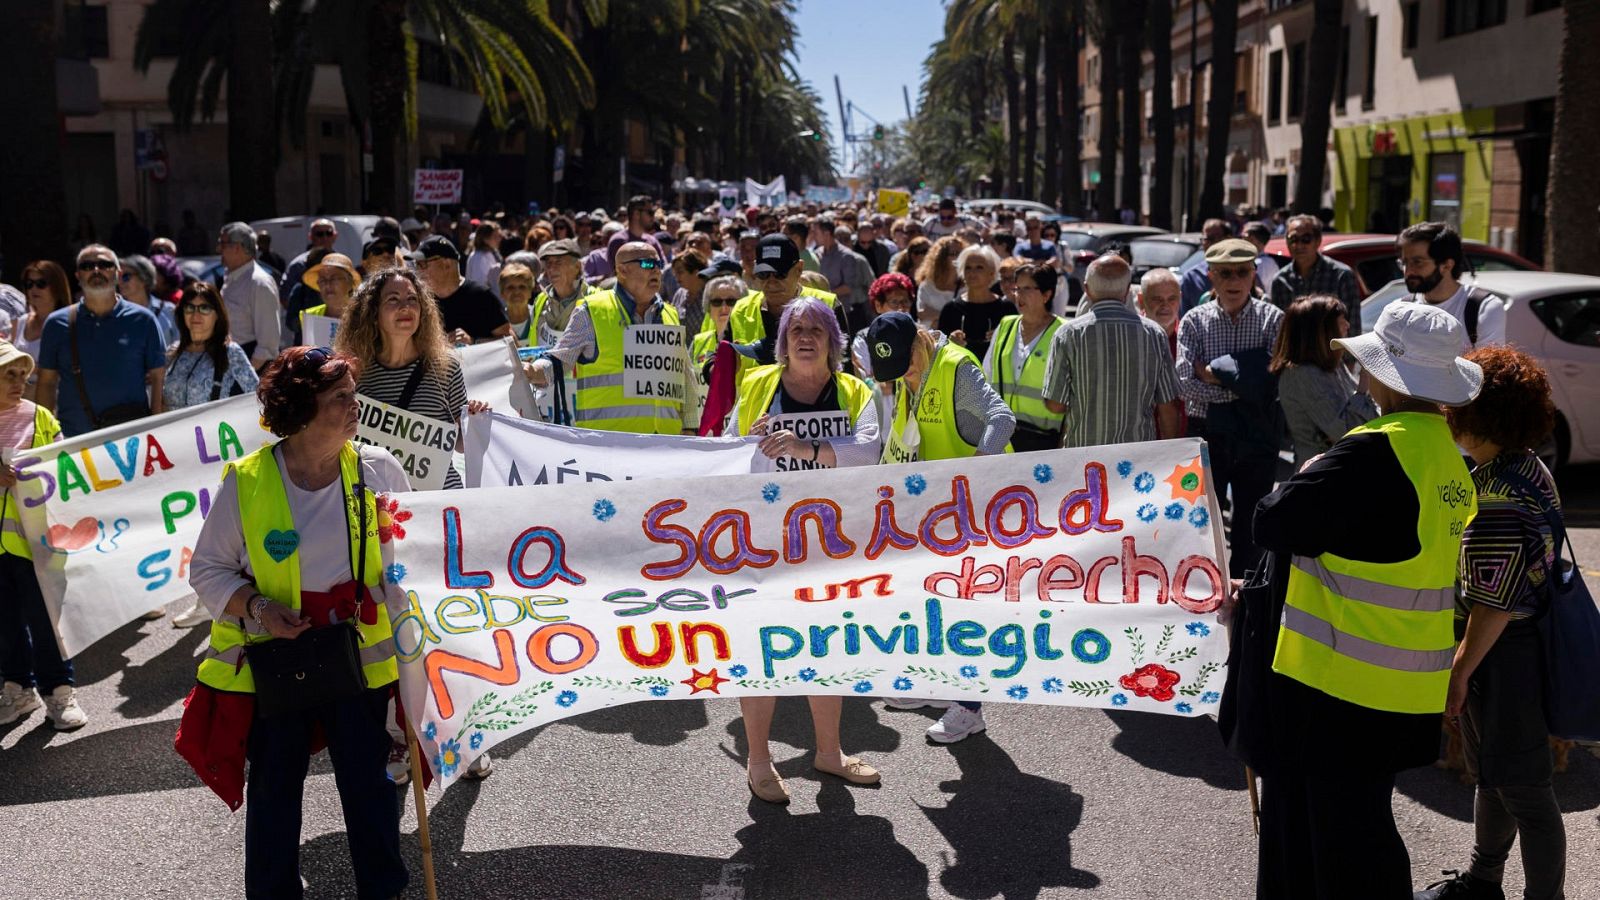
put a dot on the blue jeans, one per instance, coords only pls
(970, 706)
(29, 654)
(279, 755)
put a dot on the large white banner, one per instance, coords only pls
(112, 515)
(494, 375)
(503, 450)
(1086, 577)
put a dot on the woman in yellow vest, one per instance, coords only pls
(335, 278)
(279, 554)
(1343, 643)
(516, 292)
(29, 658)
(812, 416)
(719, 296)
(943, 409)
(1017, 358)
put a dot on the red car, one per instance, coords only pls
(1376, 261)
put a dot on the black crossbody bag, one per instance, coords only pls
(322, 665)
(116, 415)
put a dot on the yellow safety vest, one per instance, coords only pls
(745, 326)
(46, 430)
(601, 403)
(761, 385)
(547, 337)
(263, 511)
(1025, 397)
(936, 412)
(1380, 635)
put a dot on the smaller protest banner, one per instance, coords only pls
(319, 330)
(814, 426)
(437, 186)
(893, 202)
(504, 450)
(773, 193)
(653, 362)
(421, 444)
(727, 202)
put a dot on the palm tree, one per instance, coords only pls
(33, 218)
(1130, 31)
(1317, 116)
(1030, 104)
(1008, 69)
(1066, 22)
(1160, 20)
(1219, 108)
(1052, 116)
(1105, 197)
(1572, 220)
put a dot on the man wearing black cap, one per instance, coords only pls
(471, 312)
(775, 270)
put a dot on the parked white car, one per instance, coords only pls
(292, 234)
(1555, 318)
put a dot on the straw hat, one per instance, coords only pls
(10, 353)
(332, 261)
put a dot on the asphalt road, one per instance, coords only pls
(648, 801)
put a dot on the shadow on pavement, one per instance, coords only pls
(1011, 831)
(1577, 789)
(105, 657)
(649, 722)
(1185, 747)
(149, 688)
(138, 759)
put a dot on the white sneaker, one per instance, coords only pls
(956, 723)
(480, 769)
(399, 765)
(154, 614)
(194, 615)
(61, 705)
(913, 703)
(17, 701)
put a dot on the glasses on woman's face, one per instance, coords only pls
(29, 284)
(126, 277)
(721, 301)
(199, 309)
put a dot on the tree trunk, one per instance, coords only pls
(1051, 34)
(30, 157)
(1131, 28)
(252, 126)
(1071, 161)
(1161, 113)
(1219, 108)
(1105, 195)
(1030, 105)
(1317, 116)
(387, 85)
(725, 135)
(1008, 70)
(1572, 222)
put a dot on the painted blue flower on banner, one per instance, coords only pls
(1051, 685)
(738, 670)
(658, 690)
(1017, 692)
(770, 492)
(916, 484)
(807, 673)
(1148, 512)
(395, 573)
(1198, 629)
(969, 671)
(1144, 482)
(1210, 697)
(1183, 708)
(1174, 511)
(1199, 517)
(448, 759)
(566, 698)
(477, 740)
(430, 731)
(1042, 473)
(862, 687)
(604, 510)
(1125, 468)
(902, 684)
(1119, 699)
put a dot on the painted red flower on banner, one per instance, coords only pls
(1152, 680)
(390, 519)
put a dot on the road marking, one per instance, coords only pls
(730, 886)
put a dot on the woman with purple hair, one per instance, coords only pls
(811, 416)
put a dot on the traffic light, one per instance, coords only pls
(877, 132)
(921, 185)
(816, 135)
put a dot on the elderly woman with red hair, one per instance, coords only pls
(891, 292)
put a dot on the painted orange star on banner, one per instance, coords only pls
(1188, 481)
(704, 681)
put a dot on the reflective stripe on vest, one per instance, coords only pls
(600, 384)
(1381, 635)
(264, 508)
(1025, 396)
(13, 539)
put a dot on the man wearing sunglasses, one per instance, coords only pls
(1309, 272)
(322, 235)
(98, 356)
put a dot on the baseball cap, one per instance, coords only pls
(947, 203)
(563, 247)
(749, 234)
(776, 255)
(1232, 250)
(721, 267)
(1416, 349)
(409, 224)
(890, 339)
(438, 247)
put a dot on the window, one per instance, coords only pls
(1297, 80)
(1342, 90)
(1413, 24)
(1574, 319)
(1444, 188)
(1369, 91)
(1275, 87)
(1467, 16)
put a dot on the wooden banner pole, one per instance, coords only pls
(421, 798)
(1255, 799)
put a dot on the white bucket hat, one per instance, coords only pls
(1415, 349)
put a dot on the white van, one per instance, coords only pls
(291, 235)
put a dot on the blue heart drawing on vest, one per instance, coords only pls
(280, 544)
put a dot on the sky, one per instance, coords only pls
(874, 46)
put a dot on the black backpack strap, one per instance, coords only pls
(1558, 528)
(216, 379)
(77, 366)
(1475, 298)
(409, 392)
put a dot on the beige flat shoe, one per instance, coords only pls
(770, 788)
(854, 771)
